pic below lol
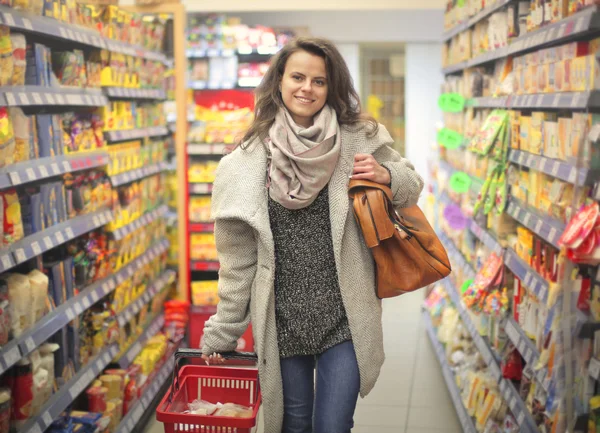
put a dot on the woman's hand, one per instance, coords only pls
(367, 168)
(215, 358)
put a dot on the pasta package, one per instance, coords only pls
(39, 290)
(13, 224)
(7, 139)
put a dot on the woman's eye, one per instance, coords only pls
(297, 77)
(320, 82)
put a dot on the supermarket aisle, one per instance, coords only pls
(411, 395)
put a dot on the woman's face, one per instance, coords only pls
(304, 86)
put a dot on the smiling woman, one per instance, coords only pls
(304, 86)
(292, 261)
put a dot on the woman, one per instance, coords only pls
(293, 261)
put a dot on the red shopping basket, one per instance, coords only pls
(215, 385)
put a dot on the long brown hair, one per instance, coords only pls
(341, 95)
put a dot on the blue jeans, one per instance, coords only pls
(328, 407)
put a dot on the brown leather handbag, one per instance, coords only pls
(408, 254)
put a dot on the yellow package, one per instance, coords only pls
(524, 133)
(205, 292)
(6, 57)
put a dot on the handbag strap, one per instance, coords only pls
(371, 208)
(360, 184)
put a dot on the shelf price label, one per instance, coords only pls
(451, 102)
(449, 139)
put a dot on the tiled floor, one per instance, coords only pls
(410, 396)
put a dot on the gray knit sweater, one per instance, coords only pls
(309, 309)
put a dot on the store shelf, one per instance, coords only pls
(127, 359)
(567, 29)
(553, 167)
(510, 394)
(549, 101)
(131, 93)
(38, 243)
(199, 53)
(517, 407)
(129, 423)
(249, 82)
(526, 348)
(136, 306)
(44, 168)
(67, 394)
(456, 256)
(482, 346)
(43, 26)
(532, 280)
(484, 13)
(201, 227)
(545, 227)
(207, 148)
(137, 174)
(58, 318)
(136, 134)
(30, 96)
(200, 188)
(486, 238)
(142, 221)
(465, 420)
(204, 265)
(212, 85)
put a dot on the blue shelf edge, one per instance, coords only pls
(465, 420)
(545, 227)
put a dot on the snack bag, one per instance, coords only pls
(7, 139)
(6, 56)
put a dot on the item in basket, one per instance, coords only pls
(201, 407)
(234, 411)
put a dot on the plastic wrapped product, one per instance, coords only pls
(19, 295)
(39, 291)
(201, 407)
(6, 57)
(47, 351)
(4, 314)
(234, 411)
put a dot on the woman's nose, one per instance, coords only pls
(307, 86)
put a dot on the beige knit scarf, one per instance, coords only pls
(302, 159)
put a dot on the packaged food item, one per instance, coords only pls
(97, 399)
(18, 46)
(201, 407)
(47, 351)
(5, 404)
(22, 393)
(114, 384)
(5, 323)
(39, 291)
(22, 134)
(234, 411)
(19, 294)
(6, 57)
(7, 139)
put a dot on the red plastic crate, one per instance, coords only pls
(213, 384)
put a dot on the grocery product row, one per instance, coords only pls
(97, 26)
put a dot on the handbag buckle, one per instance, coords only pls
(403, 233)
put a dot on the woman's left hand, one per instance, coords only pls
(367, 168)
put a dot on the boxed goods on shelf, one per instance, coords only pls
(202, 171)
(205, 293)
(199, 209)
(202, 246)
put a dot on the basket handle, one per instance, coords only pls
(184, 353)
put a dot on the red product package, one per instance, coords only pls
(131, 396)
(22, 391)
(97, 399)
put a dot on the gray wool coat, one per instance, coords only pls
(247, 256)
